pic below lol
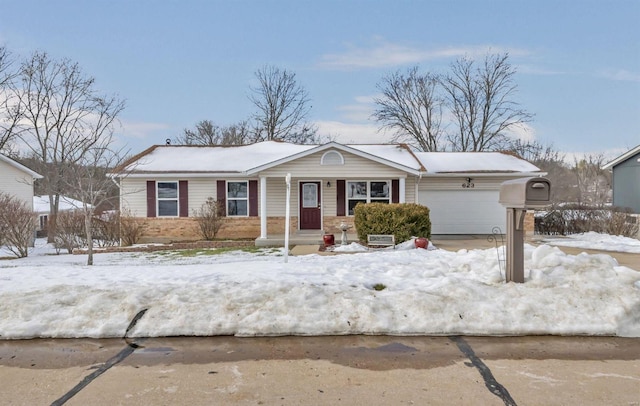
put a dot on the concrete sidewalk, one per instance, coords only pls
(347, 370)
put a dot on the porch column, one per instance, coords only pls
(402, 190)
(263, 207)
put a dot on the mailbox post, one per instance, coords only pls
(518, 196)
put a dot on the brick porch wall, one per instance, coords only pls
(167, 230)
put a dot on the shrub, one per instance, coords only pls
(131, 228)
(575, 219)
(106, 229)
(17, 225)
(404, 220)
(209, 218)
(70, 231)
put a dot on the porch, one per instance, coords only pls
(302, 237)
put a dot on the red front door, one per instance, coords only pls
(310, 212)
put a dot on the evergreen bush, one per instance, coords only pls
(403, 220)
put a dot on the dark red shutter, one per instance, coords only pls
(341, 194)
(221, 196)
(183, 192)
(253, 198)
(395, 191)
(151, 198)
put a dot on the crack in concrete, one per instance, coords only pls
(128, 350)
(490, 382)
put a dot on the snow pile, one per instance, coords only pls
(247, 294)
(597, 241)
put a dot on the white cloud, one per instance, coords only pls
(353, 133)
(361, 110)
(622, 75)
(137, 129)
(522, 131)
(536, 70)
(386, 54)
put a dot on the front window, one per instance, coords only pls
(167, 199)
(237, 198)
(367, 192)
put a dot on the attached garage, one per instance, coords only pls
(466, 211)
(462, 189)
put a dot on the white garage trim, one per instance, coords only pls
(468, 211)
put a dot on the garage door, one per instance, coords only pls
(464, 211)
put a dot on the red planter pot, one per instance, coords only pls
(328, 240)
(421, 242)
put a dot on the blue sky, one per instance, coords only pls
(178, 62)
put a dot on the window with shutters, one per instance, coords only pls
(367, 192)
(238, 198)
(167, 197)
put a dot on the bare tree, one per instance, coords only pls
(208, 133)
(480, 100)
(593, 182)
(553, 162)
(412, 106)
(9, 108)
(92, 186)
(64, 118)
(283, 106)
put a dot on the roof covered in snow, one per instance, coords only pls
(253, 158)
(211, 159)
(41, 204)
(474, 162)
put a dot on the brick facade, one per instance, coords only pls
(175, 229)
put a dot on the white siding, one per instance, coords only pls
(276, 197)
(133, 196)
(310, 169)
(17, 183)
(354, 167)
(133, 193)
(199, 190)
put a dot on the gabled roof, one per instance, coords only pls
(251, 159)
(474, 162)
(21, 167)
(394, 155)
(622, 158)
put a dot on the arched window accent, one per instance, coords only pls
(332, 158)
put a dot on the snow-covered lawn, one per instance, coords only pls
(256, 293)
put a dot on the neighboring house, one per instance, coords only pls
(626, 179)
(42, 208)
(165, 184)
(17, 180)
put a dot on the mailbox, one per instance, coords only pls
(526, 193)
(518, 196)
